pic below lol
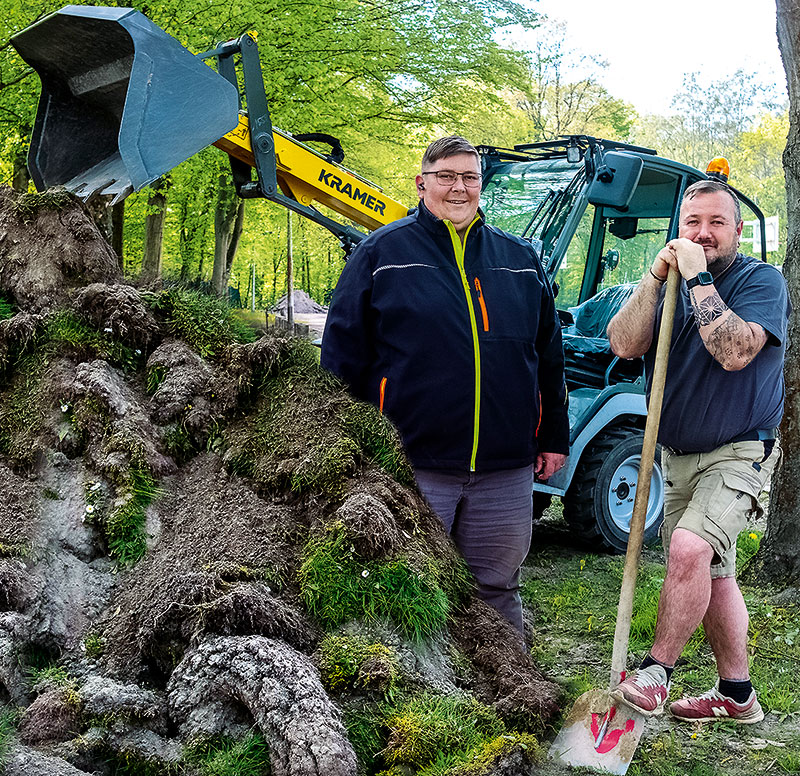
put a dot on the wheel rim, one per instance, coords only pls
(622, 491)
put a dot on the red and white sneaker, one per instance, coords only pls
(711, 706)
(645, 690)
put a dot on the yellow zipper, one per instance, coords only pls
(458, 249)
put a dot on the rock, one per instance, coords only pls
(24, 761)
(105, 697)
(54, 716)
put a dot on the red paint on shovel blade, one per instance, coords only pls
(612, 737)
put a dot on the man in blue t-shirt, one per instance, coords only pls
(723, 401)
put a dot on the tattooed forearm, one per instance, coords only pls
(734, 343)
(725, 343)
(707, 310)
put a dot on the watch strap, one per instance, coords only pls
(700, 279)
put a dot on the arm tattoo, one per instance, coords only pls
(707, 310)
(725, 343)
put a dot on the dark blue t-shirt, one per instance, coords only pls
(705, 406)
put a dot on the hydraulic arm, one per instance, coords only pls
(123, 103)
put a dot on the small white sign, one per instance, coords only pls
(771, 225)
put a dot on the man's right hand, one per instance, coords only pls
(690, 258)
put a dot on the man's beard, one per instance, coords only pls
(721, 263)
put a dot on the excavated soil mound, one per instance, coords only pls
(207, 548)
(303, 304)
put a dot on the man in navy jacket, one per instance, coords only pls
(448, 326)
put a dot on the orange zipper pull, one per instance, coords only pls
(382, 395)
(484, 312)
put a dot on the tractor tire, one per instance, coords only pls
(541, 501)
(599, 503)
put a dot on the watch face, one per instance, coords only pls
(700, 279)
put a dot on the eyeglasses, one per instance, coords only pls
(449, 177)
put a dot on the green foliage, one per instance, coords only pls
(6, 309)
(8, 724)
(377, 438)
(557, 99)
(134, 764)
(155, 376)
(367, 732)
(205, 322)
(54, 674)
(484, 759)
(124, 525)
(221, 756)
(13, 549)
(178, 443)
(94, 646)
(65, 329)
(429, 728)
(348, 662)
(338, 586)
(21, 411)
(789, 759)
(747, 544)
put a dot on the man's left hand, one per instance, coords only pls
(547, 464)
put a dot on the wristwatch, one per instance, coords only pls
(700, 279)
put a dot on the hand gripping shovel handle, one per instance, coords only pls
(636, 534)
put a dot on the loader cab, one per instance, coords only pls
(596, 239)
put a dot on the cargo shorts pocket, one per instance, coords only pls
(734, 498)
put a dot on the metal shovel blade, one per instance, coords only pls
(598, 733)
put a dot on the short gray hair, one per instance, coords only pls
(445, 147)
(711, 187)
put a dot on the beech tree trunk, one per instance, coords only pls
(20, 175)
(778, 559)
(118, 231)
(228, 224)
(154, 228)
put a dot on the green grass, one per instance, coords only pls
(6, 309)
(337, 586)
(306, 434)
(221, 756)
(94, 646)
(573, 598)
(350, 662)
(206, 323)
(29, 205)
(125, 523)
(53, 674)
(8, 720)
(432, 733)
(66, 329)
(367, 732)
(22, 410)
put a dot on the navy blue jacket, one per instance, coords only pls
(459, 346)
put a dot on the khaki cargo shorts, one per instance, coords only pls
(714, 494)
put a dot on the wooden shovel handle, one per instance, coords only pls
(636, 534)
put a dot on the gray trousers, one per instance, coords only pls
(488, 516)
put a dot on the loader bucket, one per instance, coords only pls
(122, 101)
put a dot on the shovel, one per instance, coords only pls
(598, 732)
